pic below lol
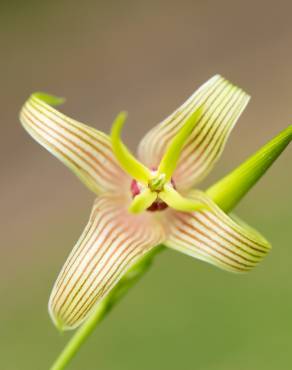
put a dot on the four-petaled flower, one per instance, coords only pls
(142, 203)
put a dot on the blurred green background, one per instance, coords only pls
(146, 57)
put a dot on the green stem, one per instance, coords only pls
(130, 279)
(79, 337)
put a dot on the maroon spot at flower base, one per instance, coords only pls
(158, 205)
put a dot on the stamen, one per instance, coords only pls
(157, 183)
(52, 100)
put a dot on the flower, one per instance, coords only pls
(145, 201)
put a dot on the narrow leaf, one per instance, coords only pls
(228, 192)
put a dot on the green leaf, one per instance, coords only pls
(228, 192)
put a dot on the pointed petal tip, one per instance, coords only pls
(118, 123)
(56, 321)
(59, 324)
(287, 132)
(217, 76)
(123, 115)
(49, 99)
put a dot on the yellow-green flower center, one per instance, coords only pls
(155, 187)
(157, 182)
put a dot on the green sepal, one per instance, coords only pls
(174, 200)
(142, 201)
(227, 192)
(171, 156)
(125, 158)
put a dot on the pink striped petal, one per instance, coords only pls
(213, 236)
(112, 241)
(86, 151)
(221, 104)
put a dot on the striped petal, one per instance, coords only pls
(86, 151)
(213, 236)
(112, 241)
(220, 104)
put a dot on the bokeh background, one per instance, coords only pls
(145, 57)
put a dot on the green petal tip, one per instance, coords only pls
(48, 99)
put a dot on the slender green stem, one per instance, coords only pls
(101, 311)
(79, 337)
